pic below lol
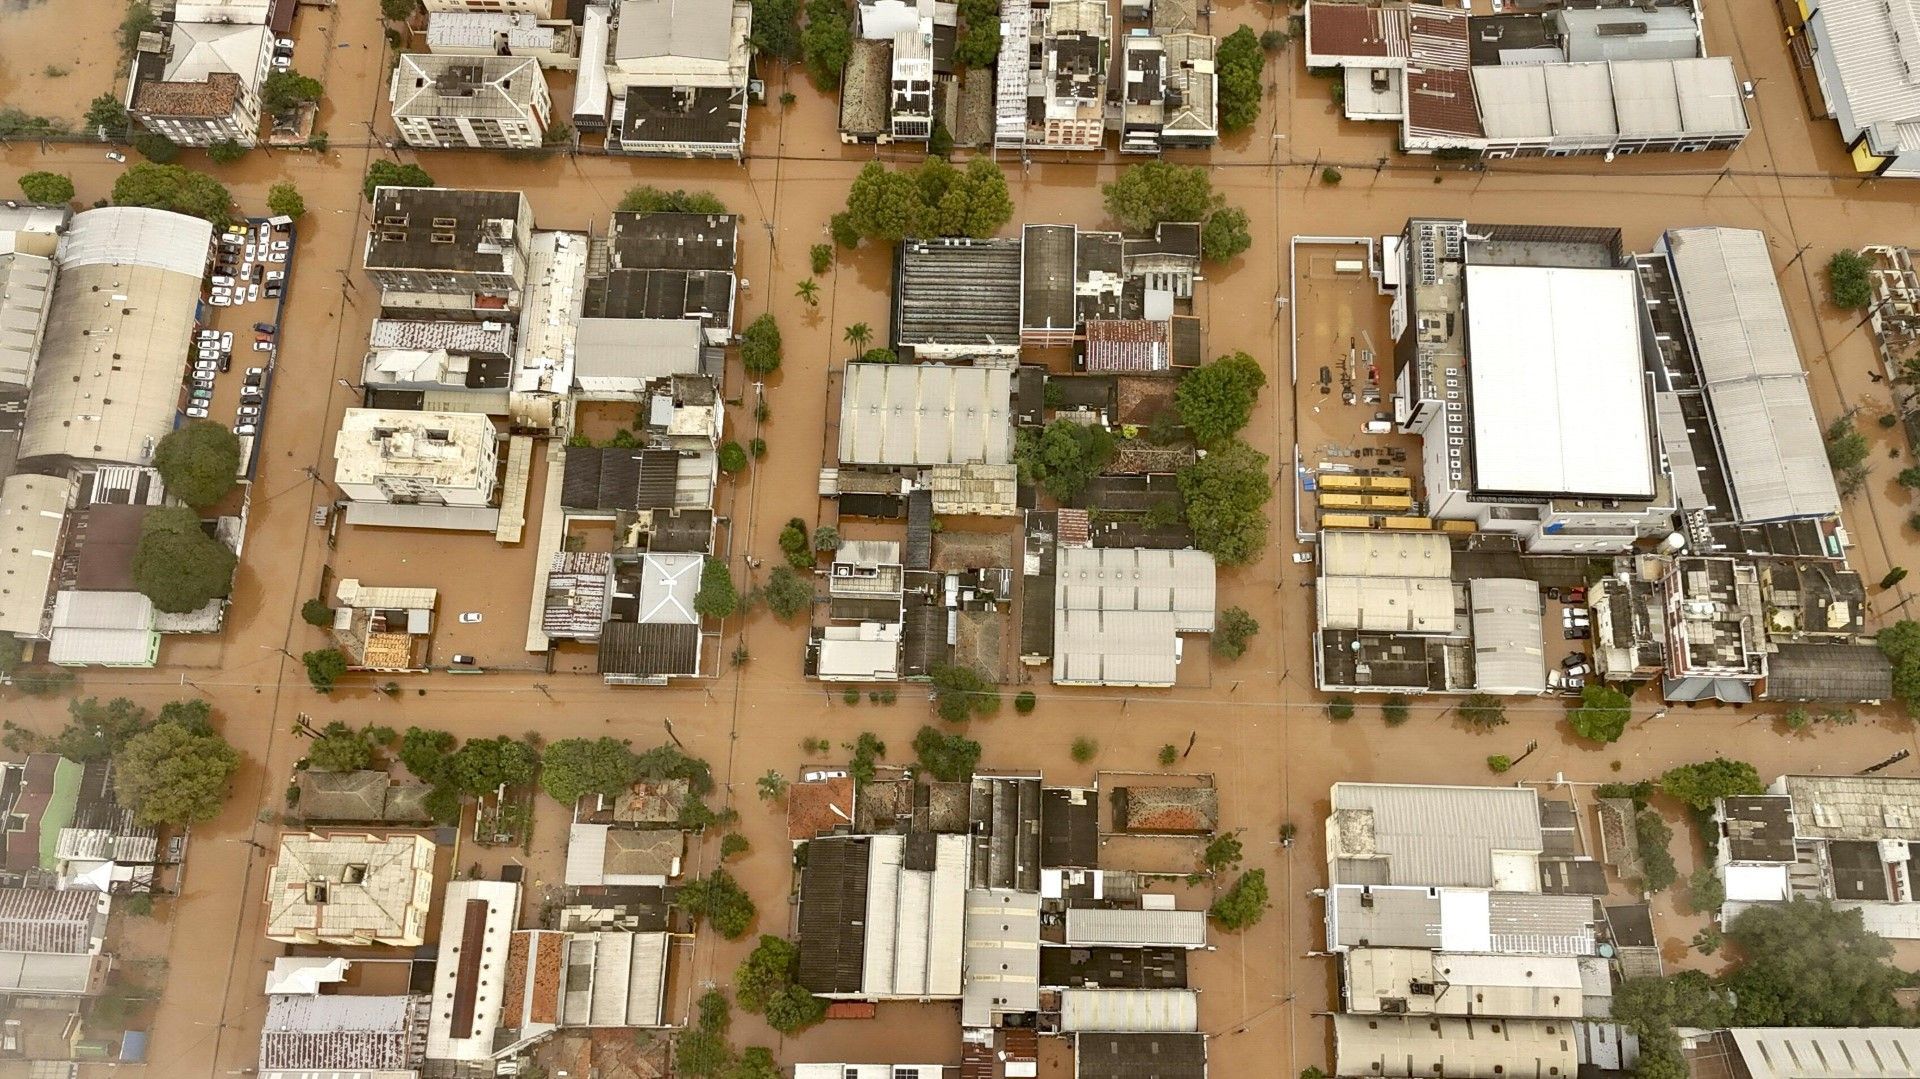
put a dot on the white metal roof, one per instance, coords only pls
(502, 899)
(668, 585)
(1430, 835)
(32, 509)
(1118, 613)
(1756, 388)
(1385, 554)
(1875, 47)
(108, 628)
(1145, 1011)
(1512, 100)
(1136, 927)
(1559, 398)
(635, 349)
(137, 236)
(1469, 983)
(925, 414)
(1397, 1047)
(1509, 642)
(1385, 604)
(1002, 955)
(915, 920)
(1827, 1052)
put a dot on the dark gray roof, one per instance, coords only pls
(1758, 828)
(919, 550)
(957, 292)
(833, 911)
(660, 241)
(1828, 672)
(649, 649)
(683, 530)
(603, 478)
(406, 221)
(1114, 968)
(1140, 1056)
(1006, 832)
(701, 114)
(1169, 238)
(362, 796)
(1046, 277)
(1069, 829)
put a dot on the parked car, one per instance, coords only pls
(468, 618)
(276, 275)
(222, 279)
(282, 63)
(248, 412)
(207, 354)
(272, 291)
(253, 293)
(199, 394)
(263, 346)
(202, 383)
(282, 245)
(198, 412)
(221, 301)
(226, 362)
(113, 155)
(206, 367)
(226, 339)
(259, 269)
(265, 327)
(255, 374)
(244, 428)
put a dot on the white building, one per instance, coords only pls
(677, 71)
(208, 90)
(1866, 57)
(351, 889)
(424, 458)
(476, 924)
(477, 102)
(1119, 614)
(499, 33)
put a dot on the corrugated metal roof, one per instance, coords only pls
(1136, 926)
(1145, 1011)
(925, 414)
(32, 920)
(110, 628)
(915, 920)
(1875, 46)
(1509, 643)
(1433, 835)
(1775, 453)
(1818, 1053)
(1828, 672)
(1385, 554)
(32, 510)
(1397, 1047)
(1002, 955)
(1665, 33)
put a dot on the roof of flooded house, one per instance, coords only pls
(445, 229)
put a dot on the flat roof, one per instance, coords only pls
(1100, 1055)
(1559, 400)
(1145, 1011)
(1386, 554)
(1433, 836)
(1398, 1046)
(1824, 1053)
(443, 228)
(1136, 926)
(1509, 640)
(1002, 955)
(32, 511)
(468, 989)
(925, 414)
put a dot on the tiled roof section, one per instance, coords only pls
(1356, 30)
(649, 649)
(349, 1033)
(518, 947)
(549, 961)
(1439, 88)
(1128, 345)
(47, 922)
(814, 809)
(1074, 527)
(213, 98)
(1169, 809)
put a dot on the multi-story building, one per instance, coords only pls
(205, 87)
(539, 9)
(478, 102)
(554, 43)
(678, 71)
(1866, 61)
(1073, 77)
(457, 254)
(1844, 839)
(351, 889)
(416, 458)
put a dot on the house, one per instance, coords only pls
(653, 632)
(859, 940)
(1131, 345)
(451, 254)
(470, 978)
(1119, 613)
(362, 797)
(345, 888)
(1859, 54)
(416, 458)
(868, 1071)
(104, 629)
(473, 102)
(603, 856)
(818, 805)
(677, 71)
(51, 943)
(205, 87)
(384, 629)
(865, 615)
(908, 29)
(318, 1033)
(1192, 112)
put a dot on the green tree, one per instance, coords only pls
(1225, 493)
(701, 1051)
(719, 899)
(1699, 785)
(879, 355)
(1848, 280)
(756, 1061)
(786, 594)
(1223, 852)
(425, 753)
(1499, 762)
(97, 732)
(338, 748)
(1340, 708)
(1216, 399)
(794, 1010)
(978, 43)
(1602, 715)
(176, 771)
(1901, 644)
(1063, 457)
(199, 462)
(284, 199)
(1846, 447)
(1169, 753)
(574, 767)
(226, 152)
(1239, 62)
(1706, 892)
(138, 20)
(1657, 872)
(52, 188)
(155, 147)
(975, 201)
(962, 693)
(867, 750)
(171, 187)
(398, 10)
(760, 346)
(1244, 904)
(717, 597)
(1893, 577)
(772, 786)
(820, 259)
(949, 758)
(647, 199)
(1811, 965)
(858, 335)
(325, 667)
(1231, 632)
(795, 545)
(883, 204)
(826, 43)
(107, 116)
(1149, 193)
(826, 538)
(940, 140)
(808, 291)
(485, 764)
(732, 457)
(841, 227)
(1024, 702)
(776, 28)
(284, 90)
(316, 613)
(766, 972)
(177, 565)
(1394, 709)
(1084, 749)
(385, 173)
(1482, 711)
(732, 845)
(1225, 234)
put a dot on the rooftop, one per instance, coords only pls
(499, 87)
(818, 807)
(1118, 613)
(32, 512)
(350, 888)
(447, 449)
(1169, 809)
(654, 241)
(925, 414)
(477, 920)
(1829, 672)
(49, 922)
(1472, 1048)
(1139, 1056)
(958, 293)
(1128, 345)
(679, 115)
(444, 228)
(321, 1033)
(1135, 927)
(1468, 837)
(632, 650)
(360, 797)
(1863, 808)
(1757, 828)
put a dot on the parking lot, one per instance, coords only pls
(236, 347)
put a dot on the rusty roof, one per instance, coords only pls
(1072, 528)
(1128, 344)
(816, 808)
(1356, 30)
(1440, 97)
(214, 98)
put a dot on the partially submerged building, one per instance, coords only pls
(202, 82)
(470, 102)
(677, 71)
(881, 917)
(1861, 54)
(1120, 614)
(351, 889)
(443, 253)
(418, 469)
(1842, 839)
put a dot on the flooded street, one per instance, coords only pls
(59, 56)
(1257, 723)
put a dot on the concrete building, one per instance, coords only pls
(957, 299)
(470, 978)
(106, 387)
(1071, 73)
(33, 514)
(1101, 1055)
(1403, 1046)
(478, 102)
(205, 88)
(1119, 614)
(52, 942)
(1864, 60)
(678, 72)
(29, 239)
(551, 43)
(1192, 91)
(103, 629)
(667, 266)
(539, 9)
(865, 615)
(341, 888)
(416, 458)
(332, 1034)
(582, 979)
(905, 31)
(1845, 839)
(925, 414)
(446, 253)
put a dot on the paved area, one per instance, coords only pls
(1256, 724)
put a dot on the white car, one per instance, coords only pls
(276, 275)
(248, 412)
(222, 279)
(282, 63)
(243, 428)
(468, 618)
(208, 355)
(253, 293)
(256, 373)
(197, 411)
(116, 156)
(282, 246)
(221, 301)
(226, 341)
(283, 43)
(263, 346)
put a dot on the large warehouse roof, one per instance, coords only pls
(1775, 455)
(925, 414)
(137, 236)
(32, 509)
(1559, 400)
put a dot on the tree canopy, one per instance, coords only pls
(1231, 632)
(786, 594)
(1239, 62)
(385, 173)
(1602, 715)
(199, 462)
(1901, 643)
(760, 346)
(1698, 785)
(325, 667)
(1483, 710)
(339, 748)
(978, 44)
(1146, 194)
(717, 597)
(1225, 234)
(176, 564)
(173, 187)
(776, 28)
(47, 187)
(285, 89)
(1063, 457)
(285, 200)
(766, 984)
(573, 767)
(176, 771)
(1216, 399)
(485, 764)
(95, 731)
(934, 199)
(962, 693)
(949, 758)
(827, 42)
(719, 899)
(1848, 280)
(647, 199)
(1226, 492)
(1810, 964)
(1243, 905)
(426, 753)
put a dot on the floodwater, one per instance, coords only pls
(60, 55)
(1256, 724)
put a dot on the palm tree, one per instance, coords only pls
(858, 335)
(809, 290)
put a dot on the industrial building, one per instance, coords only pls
(1843, 839)
(1862, 56)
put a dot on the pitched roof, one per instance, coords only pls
(501, 87)
(47, 922)
(1828, 672)
(322, 1032)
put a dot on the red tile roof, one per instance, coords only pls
(1073, 528)
(1128, 345)
(1356, 30)
(814, 809)
(1440, 97)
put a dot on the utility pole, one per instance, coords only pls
(544, 691)
(1531, 746)
(672, 736)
